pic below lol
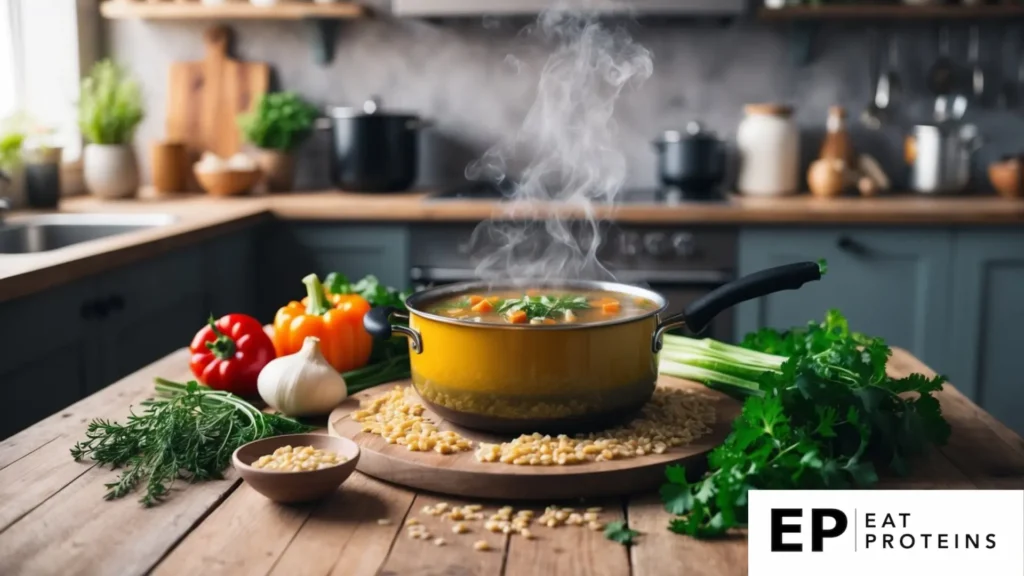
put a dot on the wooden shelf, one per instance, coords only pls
(891, 12)
(129, 9)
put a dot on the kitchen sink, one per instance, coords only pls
(52, 231)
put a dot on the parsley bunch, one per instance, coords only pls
(829, 418)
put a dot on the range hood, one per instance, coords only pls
(469, 8)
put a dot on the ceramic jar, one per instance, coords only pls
(111, 170)
(769, 149)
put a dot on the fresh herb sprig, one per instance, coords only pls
(188, 433)
(543, 306)
(830, 417)
(620, 532)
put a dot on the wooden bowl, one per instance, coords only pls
(292, 487)
(228, 182)
(1007, 177)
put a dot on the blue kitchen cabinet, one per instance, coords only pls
(292, 250)
(889, 283)
(986, 342)
(64, 343)
(153, 308)
(47, 354)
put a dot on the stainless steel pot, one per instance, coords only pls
(940, 157)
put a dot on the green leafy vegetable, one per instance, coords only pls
(369, 288)
(619, 532)
(279, 121)
(828, 416)
(189, 433)
(543, 306)
(110, 106)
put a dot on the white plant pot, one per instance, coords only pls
(111, 170)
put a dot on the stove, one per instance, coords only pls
(486, 191)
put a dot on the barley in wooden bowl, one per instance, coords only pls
(297, 467)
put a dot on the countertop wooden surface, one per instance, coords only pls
(202, 217)
(53, 519)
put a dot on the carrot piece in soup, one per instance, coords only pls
(517, 317)
(474, 300)
(483, 307)
(611, 307)
(549, 321)
(493, 299)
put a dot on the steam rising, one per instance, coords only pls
(566, 151)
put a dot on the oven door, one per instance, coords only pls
(679, 288)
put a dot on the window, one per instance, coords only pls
(40, 58)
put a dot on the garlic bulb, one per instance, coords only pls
(302, 384)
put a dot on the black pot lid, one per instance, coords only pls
(371, 107)
(694, 130)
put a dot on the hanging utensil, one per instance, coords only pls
(974, 59)
(1007, 96)
(959, 107)
(940, 76)
(871, 117)
(893, 85)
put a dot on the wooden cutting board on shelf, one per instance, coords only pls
(206, 97)
(462, 475)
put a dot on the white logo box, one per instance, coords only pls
(946, 532)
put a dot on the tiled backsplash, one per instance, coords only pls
(456, 74)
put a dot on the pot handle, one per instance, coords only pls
(377, 323)
(699, 314)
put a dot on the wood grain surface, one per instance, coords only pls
(60, 523)
(206, 97)
(461, 473)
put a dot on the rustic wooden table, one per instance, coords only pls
(54, 520)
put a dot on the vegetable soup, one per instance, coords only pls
(548, 306)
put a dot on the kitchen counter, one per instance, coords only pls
(202, 217)
(54, 519)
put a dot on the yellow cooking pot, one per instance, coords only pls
(555, 378)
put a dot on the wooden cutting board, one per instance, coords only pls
(206, 97)
(462, 475)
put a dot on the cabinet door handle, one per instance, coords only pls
(115, 303)
(851, 246)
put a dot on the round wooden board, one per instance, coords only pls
(462, 475)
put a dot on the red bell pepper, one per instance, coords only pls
(229, 353)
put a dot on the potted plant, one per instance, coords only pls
(276, 125)
(109, 110)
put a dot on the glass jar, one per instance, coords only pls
(769, 149)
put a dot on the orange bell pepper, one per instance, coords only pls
(336, 319)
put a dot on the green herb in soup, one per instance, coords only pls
(536, 307)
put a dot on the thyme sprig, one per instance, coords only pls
(187, 433)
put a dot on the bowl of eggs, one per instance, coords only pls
(220, 177)
(296, 467)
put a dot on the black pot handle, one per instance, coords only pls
(699, 314)
(377, 323)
